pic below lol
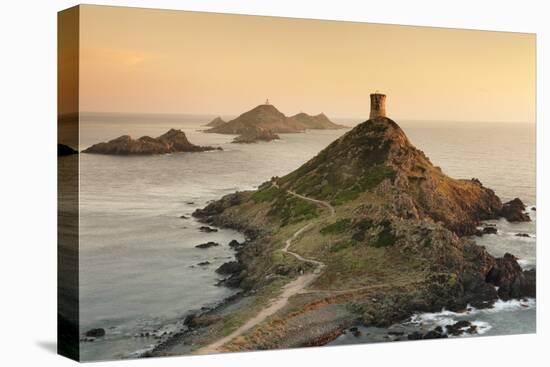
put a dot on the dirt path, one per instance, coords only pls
(320, 202)
(296, 286)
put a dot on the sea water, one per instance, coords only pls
(139, 269)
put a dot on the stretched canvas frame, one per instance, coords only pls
(357, 238)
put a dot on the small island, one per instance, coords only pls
(254, 134)
(216, 122)
(173, 141)
(265, 120)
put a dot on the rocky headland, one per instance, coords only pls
(267, 118)
(173, 141)
(367, 232)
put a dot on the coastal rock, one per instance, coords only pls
(434, 334)
(218, 121)
(228, 268)
(173, 141)
(505, 270)
(199, 320)
(207, 245)
(522, 235)
(458, 328)
(204, 263)
(207, 229)
(490, 230)
(255, 134)
(234, 244)
(514, 211)
(95, 333)
(64, 150)
(512, 281)
(416, 335)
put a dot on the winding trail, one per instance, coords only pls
(297, 286)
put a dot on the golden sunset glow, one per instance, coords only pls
(157, 61)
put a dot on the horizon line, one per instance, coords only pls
(362, 119)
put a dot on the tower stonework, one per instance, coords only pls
(377, 105)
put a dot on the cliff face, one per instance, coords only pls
(268, 118)
(173, 141)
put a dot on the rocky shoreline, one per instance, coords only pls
(506, 276)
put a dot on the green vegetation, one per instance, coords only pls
(338, 227)
(342, 245)
(386, 237)
(360, 228)
(292, 210)
(346, 195)
(287, 208)
(375, 176)
(372, 178)
(267, 194)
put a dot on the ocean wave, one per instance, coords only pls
(446, 317)
(139, 353)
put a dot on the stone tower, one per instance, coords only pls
(377, 105)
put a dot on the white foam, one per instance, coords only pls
(446, 317)
(482, 326)
(138, 353)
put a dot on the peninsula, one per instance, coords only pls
(367, 232)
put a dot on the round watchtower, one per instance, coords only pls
(377, 105)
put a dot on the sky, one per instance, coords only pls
(158, 61)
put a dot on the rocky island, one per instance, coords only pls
(254, 134)
(367, 232)
(173, 141)
(266, 118)
(216, 122)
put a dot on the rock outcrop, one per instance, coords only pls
(514, 211)
(218, 121)
(173, 141)
(207, 245)
(268, 118)
(511, 280)
(377, 157)
(255, 134)
(320, 121)
(95, 333)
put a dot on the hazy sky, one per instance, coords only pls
(137, 60)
